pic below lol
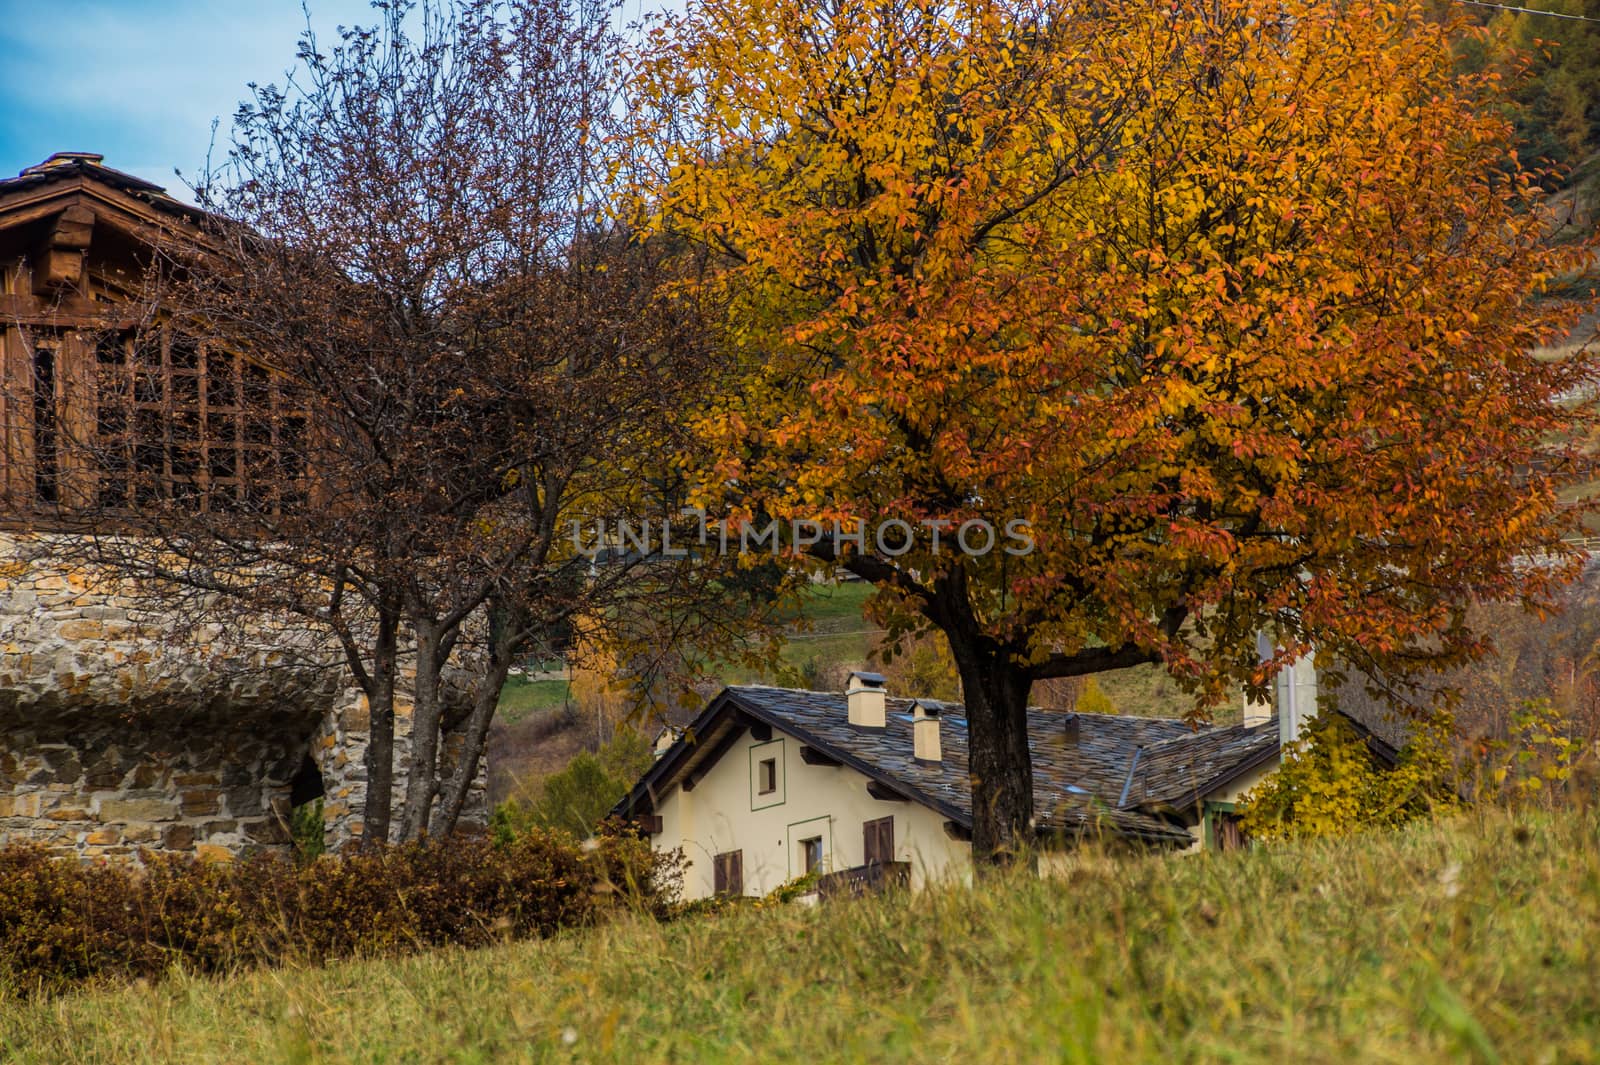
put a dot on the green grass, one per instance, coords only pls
(1472, 940)
(521, 697)
(833, 631)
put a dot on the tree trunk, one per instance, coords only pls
(380, 734)
(426, 713)
(502, 637)
(1000, 763)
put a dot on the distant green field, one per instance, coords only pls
(1468, 941)
(836, 634)
(832, 631)
(521, 697)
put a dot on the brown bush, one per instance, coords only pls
(63, 923)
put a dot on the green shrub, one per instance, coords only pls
(63, 923)
(1534, 763)
(576, 799)
(308, 831)
(1328, 784)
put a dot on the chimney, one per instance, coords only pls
(1256, 712)
(1259, 713)
(1070, 731)
(1296, 690)
(925, 745)
(864, 699)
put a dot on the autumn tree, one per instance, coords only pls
(464, 363)
(1231, 306)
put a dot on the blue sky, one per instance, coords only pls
(140, 81)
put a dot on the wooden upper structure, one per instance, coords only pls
(101, 406)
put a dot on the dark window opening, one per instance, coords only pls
(46, 460)
(306, 784)
(768, 776)
(307, 826)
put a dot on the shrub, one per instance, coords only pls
(1329, 785)
(1534, 764)
(63, 923)
(576, 799)
(307, 830)
(1093, 700)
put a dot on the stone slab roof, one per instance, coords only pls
(1180, 772)
(1089, 769)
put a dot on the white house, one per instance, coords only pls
(770, 783)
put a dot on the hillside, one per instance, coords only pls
(1467, 941)
(539, 729)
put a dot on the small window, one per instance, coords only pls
(727, 873)
(811, 855)
(767, 778)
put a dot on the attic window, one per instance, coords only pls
(767, 781)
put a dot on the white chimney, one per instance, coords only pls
(1259, 713)
(925, 745)
(864, 699)
(1296, 691)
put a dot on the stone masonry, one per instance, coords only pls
(120, 733)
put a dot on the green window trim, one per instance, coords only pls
(811, 826)
(760, 752)
(1208, 821)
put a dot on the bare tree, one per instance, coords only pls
(453, 362)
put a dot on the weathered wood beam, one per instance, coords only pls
(887, 794)
(957, 831)
(712, 756)
(812, 756)
(62, 256)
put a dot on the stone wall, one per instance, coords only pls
(103, 785)
(121, 731)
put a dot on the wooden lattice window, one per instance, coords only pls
(189, 422)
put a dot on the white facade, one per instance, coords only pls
(728, 812)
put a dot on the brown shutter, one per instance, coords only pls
(877, 844)
(727, 873)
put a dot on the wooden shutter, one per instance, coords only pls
(877, 845)
(1230, 832)
(727, 873)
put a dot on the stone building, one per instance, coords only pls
(117, 732)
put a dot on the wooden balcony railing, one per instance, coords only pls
(863, 879)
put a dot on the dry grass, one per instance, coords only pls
(1472, 940)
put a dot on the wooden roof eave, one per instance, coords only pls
(127, 214)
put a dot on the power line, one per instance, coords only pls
(1528, 10)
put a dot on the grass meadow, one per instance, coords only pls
(1473, 939)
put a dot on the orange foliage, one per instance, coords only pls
(1233, 305)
